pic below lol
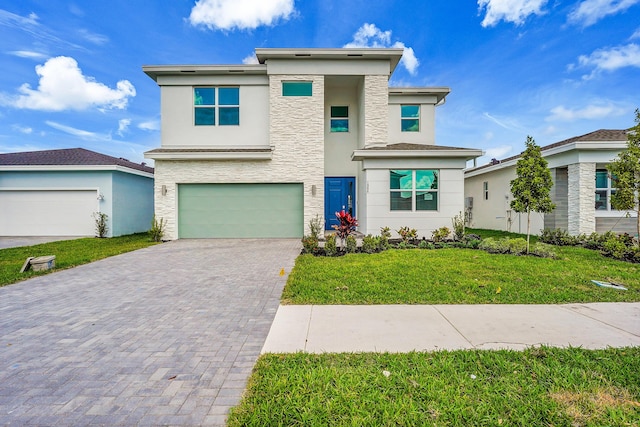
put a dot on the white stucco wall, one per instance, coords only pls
(340, 145)
(177, 109)
(493, 214)
(427, 133)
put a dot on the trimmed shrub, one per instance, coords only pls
(458, 226)
(351, 244)
(370, 244)
(310, 244)
(407, 234)
(517, 246)
(440, 234)
(542, 250)
(425, 245)
(330, 246)
(495, 246)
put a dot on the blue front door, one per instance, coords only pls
(339, 194)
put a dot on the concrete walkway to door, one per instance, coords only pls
(166, 335)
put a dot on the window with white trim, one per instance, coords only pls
(339, 119)
(414, 190)
(410, 118)
(604, 190)
(485, 189)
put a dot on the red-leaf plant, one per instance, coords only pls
(346, 225)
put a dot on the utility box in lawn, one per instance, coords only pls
(42, 263)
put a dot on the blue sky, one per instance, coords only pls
(551, 69)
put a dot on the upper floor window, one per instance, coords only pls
(604, 190)
(414, 190)
(339, 119)
(410, 118)
(225, 101)
(485, 189)
(297, 89)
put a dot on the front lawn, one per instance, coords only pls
(459, 276)
(69, 253)
(543, 386)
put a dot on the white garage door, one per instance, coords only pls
(47, 212)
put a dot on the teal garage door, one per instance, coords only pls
(240, 210)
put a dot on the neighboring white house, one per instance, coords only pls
(56, 193)
(582, 189)
(259, 150)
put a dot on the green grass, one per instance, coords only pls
(498, 234)
(542, 387)
(69, 253)
(459, 276)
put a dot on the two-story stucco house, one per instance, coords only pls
(259, 150)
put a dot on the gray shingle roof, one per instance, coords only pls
(68, 157)
(413, 147)
(600, 135)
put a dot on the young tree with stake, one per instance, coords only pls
(532, 185)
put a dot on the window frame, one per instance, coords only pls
(409, 117)
(609, 190)
(415, 191)
(485, 189)
(337, 118)
(217, 106)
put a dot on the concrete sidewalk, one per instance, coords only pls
(403, 328)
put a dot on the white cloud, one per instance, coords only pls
(29, 54)
(635, 35)
(250, 59)
(123, 125)
(94, 38)
(62, 86)
(22, 129)
(506, 122)
(590, 112)
(90, 136)
(370, 36)
(609, 59)
(515, 11)
(239, 14)
(151, 125)
(588, 12)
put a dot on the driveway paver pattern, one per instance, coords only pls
(166, 335)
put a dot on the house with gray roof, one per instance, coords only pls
(57, 192)
(259, 150)
(581, 189)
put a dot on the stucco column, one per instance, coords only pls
(581, 198)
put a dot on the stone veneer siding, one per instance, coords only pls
(376, 110)
(296, 131)
(581, 194)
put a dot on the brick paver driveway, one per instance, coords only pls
(166, 335)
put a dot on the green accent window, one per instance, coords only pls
(410, 118)
(297, 89)
(413, 190)
(340, 119)
(227, 106)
